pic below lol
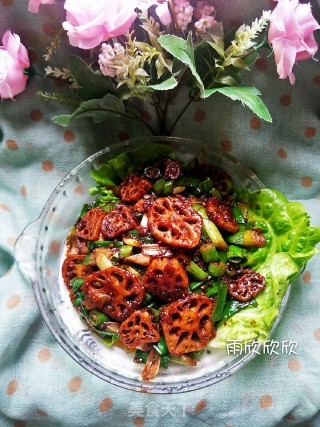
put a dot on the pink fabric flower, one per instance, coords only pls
(111, 58)
(163, 12)
(205, 16)
(89, 23)
(162, 9)
(34, 5)
(291, 35)
(203, 9)
(184, 13)
(204, 24)
(13, 61)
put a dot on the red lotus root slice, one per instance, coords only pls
(221, 214)
(246, 286)
(166, 279)
(73, 268)
(173, 221)
(115, 291)
(133, 188)
(118, 221)
(138, 329)
(144, 204)
(187, 324)
(89, 226)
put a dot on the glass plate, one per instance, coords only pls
(40, 251)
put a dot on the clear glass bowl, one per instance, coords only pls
(41, 248)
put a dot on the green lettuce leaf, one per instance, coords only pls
(105, 175)
(290, 244)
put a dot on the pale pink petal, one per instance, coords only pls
(291, 35)
(5, 90)
(13, 62)
(34, 5)
(285, 56)
(90, 23)
(309, 48)
(163, 13)
(86, 38)
(15, 48)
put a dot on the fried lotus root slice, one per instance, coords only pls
(89, 226)
(115, 291)
(246, 286)
(133, 188)
(173, 221)
(138, 329)
(187, 325)
(221, 214)
(166, 279)
(73, 268)
(144, 204)
(119, 220)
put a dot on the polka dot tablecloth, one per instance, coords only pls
(40, 385)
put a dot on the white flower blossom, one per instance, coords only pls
(247, 33)
(111, 59)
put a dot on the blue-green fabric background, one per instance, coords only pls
(40, 385)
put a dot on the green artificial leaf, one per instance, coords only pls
(206, 62)
(93, 84)
(97, 109)
(167, 84)
(229, 80)
(63, 119)
(183, 51)
(218, 46)
(246, 95)
(250, 59)
(236, 62)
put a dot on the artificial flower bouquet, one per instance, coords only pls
(147, 50)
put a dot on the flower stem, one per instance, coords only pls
(145, 123)
(173, 13)
(184, 109)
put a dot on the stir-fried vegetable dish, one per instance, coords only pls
(171, 259)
